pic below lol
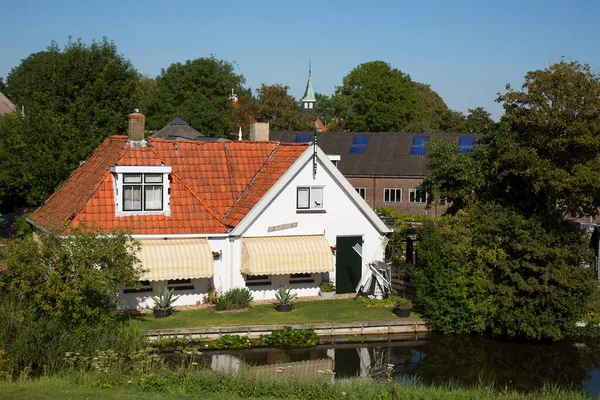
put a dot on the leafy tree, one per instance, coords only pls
(197, 92)
(479, 121)
(275, 106)
(325, 108)
(2, 86)
(87, 90)
(542, 157)
(491, 270)
(378, 98)
(32, 165)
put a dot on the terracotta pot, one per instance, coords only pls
(163, 313)
(283, 307)
(402, 312)
(327, 295)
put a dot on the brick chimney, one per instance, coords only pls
(137, 124)
(259, 132)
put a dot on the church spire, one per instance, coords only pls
(308, 101)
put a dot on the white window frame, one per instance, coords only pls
(118, 174)
(398, 199)
(363, 190)
(412, 196)
(310, 106)
(311, 206)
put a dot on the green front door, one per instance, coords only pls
(348, 264)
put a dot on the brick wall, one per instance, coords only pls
(375, 194)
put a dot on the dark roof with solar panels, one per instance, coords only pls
(382, 154)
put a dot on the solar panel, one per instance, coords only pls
(418, 145)
(303, 138)
(465, 144)
(359, 144)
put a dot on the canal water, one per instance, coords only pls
(431, 358)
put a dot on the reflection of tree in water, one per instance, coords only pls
(524, 367)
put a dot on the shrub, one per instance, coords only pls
(232, 342)
(401, 302)
(491, 270)
(285, 296)
(235, 298)
(327, 286)
(292, 337)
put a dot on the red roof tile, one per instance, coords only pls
(213, 185)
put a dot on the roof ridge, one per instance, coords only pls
(251, 181)
(187, 187)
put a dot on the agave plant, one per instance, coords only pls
(165, 299)
(285, 296)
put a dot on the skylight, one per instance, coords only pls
(303, 138)
(465, 144)
(359, 144)
(418, 145)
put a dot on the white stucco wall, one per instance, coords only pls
(342, 217)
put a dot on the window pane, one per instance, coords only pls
(317, 197)
(153, 197)
(303, 197)
(398, 195)
(132, 198)
(257, 277)
(153, 178)
(132, 178)
(411, 196)
(386, 195)
(300, 276)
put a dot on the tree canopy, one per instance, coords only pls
(197, 92)
(281, 110)
(543, 157)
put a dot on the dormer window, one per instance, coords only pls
(141, 190)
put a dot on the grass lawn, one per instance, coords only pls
(342, 310)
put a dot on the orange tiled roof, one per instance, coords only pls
(213, 185)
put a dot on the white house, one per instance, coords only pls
(254, 214)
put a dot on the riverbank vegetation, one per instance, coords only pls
(186, 384)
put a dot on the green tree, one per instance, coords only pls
(2, 86)
(325, 109)
(32, 165)
(86, 90)
(491, 270)
(479, 121)
(378, 98)
(197, 92)
(542, 157)
(281, 110)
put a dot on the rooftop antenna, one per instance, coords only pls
(233, 96)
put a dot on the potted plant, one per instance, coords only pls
(327, 289)
(163, 304)
(402, 307)
(285, 299)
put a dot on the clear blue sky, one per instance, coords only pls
(467, 50)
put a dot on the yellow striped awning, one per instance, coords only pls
(176, 259)
(283, 255)
(304, 369)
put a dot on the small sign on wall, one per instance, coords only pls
(282, 227)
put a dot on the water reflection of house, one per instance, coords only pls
(257, 214)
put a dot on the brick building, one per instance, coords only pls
(385, 168)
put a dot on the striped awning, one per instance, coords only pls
(176, 259)
(304, 369)
(284, 255)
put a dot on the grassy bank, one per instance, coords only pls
(342, 310)
(215, 385)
